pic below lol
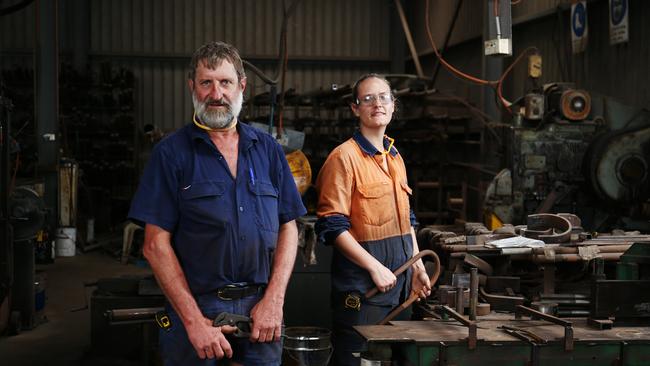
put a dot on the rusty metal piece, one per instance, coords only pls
(483, 309)
(471, 325)
(465, 248)
(476, 228)
(479, 263)
(560, 226)
(573, 219)
(454, 240)
(523, 334)
(500, 302)
(568, 326)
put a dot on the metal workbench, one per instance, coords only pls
(445, 342)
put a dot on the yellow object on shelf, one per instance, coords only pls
(492, 220)
(300, 169)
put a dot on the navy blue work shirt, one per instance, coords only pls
(224, 229)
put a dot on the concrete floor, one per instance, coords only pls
(64, 337)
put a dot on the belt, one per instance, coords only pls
(235, 292)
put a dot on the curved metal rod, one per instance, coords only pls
(414, 295)
(372, 292)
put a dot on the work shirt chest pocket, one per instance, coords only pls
(203, 202)
(376, 203)
(404, 205)
(266, 205)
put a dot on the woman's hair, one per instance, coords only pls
(355, 87)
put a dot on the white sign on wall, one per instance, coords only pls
(579, 31)
(618, 10)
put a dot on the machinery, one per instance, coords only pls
(571, 152)
(22, 219)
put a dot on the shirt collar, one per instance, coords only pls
(247, 134)
(368, 148)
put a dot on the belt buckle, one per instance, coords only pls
(353, 301)
(221, 291)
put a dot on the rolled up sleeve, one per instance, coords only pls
(334, 184)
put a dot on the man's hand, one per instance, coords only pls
(420, 283)
(383, 278)
(266, 317)
(209, 341)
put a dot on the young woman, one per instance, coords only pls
(363, 210)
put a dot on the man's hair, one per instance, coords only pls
(212, 54)
(355, 87)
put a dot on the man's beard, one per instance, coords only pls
(220, 117)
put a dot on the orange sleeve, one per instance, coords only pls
(335, 183)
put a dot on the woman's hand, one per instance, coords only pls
(420, 283)
(383, 278)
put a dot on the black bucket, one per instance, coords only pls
(307, 346)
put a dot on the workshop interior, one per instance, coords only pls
(524, 126)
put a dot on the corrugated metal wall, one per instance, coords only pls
(328, 42)
(17, 39)
(331, 42)
(334, 28)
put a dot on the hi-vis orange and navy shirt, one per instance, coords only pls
(356, 194)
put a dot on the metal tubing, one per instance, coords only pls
(575, 250)
(460, 300)
(458, 248)
(409, 39)
(132, 314)
(573, 258)
(473, 293)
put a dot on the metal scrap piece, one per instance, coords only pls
(560, 228)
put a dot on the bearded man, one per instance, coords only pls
(219, 206)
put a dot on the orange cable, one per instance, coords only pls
(504, 101)
(442, 61)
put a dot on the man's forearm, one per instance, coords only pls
(164, 263)
(283, 261)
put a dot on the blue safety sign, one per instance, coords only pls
(579, 19)
(618, 10)
(618, 23)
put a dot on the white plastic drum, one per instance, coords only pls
(66, 238)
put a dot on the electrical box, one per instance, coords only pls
(499, 28)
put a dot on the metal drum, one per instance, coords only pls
(307, 346)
